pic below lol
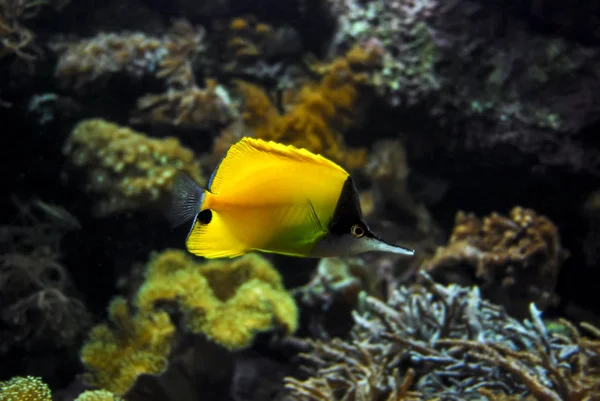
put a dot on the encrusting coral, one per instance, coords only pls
(445, 342)
(317, 114)
(515, 259)
(116, 353)
(228, 301)
(127, 170)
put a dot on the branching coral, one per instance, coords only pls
(37, 306)
(228, 301)
(515, 259)
(450, 344)
(117, 353)
(14, 37)
(136, 55)
(127, 170)
(25, 389)
(319, 113)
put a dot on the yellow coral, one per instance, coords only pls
(98, 395)
(228, 301)
(319, 113)
(126, 169)
(115, 357)
(25, 389)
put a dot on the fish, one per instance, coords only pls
(269, 197)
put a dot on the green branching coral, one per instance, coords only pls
(228, 301)
(25, 389)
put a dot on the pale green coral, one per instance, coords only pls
(116, 354)
(25, 389)
(98, 395)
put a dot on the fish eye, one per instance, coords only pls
(357, 231)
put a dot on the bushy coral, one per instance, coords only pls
(134, 54)
(191, 107)
(515, 259)
(435, 342)
(228, 301)
(126, 169)
(25, 389)
(116, 353)
(318, 114)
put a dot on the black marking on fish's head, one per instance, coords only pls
(349, 233)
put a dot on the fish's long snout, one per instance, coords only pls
(378, 245)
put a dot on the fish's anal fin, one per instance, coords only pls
(213, 239)
(187, 199)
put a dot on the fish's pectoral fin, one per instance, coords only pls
(187, 199)
(314, 218)
(210, 237)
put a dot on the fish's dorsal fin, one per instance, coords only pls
(250, 152)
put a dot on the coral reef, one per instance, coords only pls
(117, 353)
(388, 172)
(39, 308)
(25, 389)
(191, 107)
(127, 170)
(436, 342)
(94, 60)
(228, 301)
(15, 38)
(34, 389)
(488, 78)
(98, 395)
(514, 259)
(318, 113)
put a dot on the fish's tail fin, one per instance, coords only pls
(187, 201)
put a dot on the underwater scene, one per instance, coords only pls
(300, 200)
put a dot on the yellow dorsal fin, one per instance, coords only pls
(250, 154)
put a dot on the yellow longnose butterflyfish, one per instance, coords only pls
(269, 197)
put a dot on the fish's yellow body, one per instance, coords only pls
(263, 196)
